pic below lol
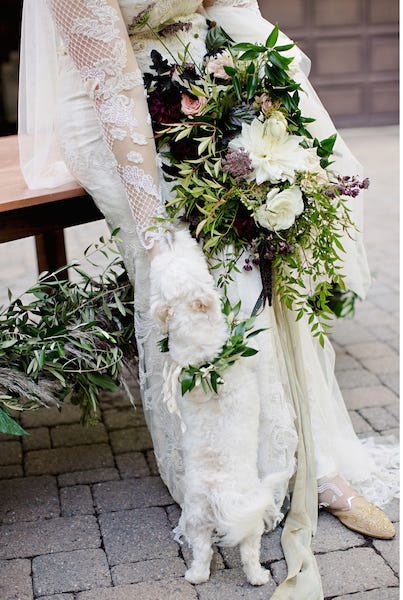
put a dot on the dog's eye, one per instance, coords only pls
(200, 305)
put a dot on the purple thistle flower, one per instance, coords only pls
(238, 164)
(350, 186)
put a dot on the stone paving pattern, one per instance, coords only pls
(84, 515)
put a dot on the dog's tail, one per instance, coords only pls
(239, 514)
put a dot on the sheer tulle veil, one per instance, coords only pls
(40, 156)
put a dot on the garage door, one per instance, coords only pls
(353, 45)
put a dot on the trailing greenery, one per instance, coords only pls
(67, 340)
(71, 340)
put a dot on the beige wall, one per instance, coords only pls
(353, 45)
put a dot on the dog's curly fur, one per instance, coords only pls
(185, 302)
(225, 501)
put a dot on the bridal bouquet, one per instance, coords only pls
(255, 187)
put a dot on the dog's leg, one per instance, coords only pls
(200, 540)
(250, 557)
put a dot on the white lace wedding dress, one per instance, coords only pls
(94, 120)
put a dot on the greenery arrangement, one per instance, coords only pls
(70, 340)
(246, 173)
(255, 188)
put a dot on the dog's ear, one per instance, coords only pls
(160, 312)
(203, 303)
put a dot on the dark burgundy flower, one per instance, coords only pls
(245, 225)
(165, 107)
(185, 149)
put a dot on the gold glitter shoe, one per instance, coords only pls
(356, 513)
(366, 518)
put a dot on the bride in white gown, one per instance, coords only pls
(83, 115)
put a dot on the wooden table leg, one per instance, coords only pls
(51, 251)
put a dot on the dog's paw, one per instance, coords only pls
(197, 575)
(258, 576)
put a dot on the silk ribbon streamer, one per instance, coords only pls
(303, 580)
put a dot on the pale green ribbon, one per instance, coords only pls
(303, 580)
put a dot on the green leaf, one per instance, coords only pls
(9, 425)
(119, 304)
(217, 38)
(249, 352)
(230, 71)
(273, 37)
(252, 84)
(251, 68)
(250, 54)
(103, 381)
(328, 143)
(187, 381)
(255, 332)
(203, 145)
(8, 343)
(285, 47)
(280, 61)
(164, 345)
(240, 329)
(237, 87)
(243, 46)
(214, 377)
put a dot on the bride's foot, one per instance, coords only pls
(356, 513)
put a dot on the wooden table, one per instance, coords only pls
(42, 213)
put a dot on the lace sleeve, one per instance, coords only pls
(96, 38)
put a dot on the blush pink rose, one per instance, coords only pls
(191, 106)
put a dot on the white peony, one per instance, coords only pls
(275, 154)
(280, 209)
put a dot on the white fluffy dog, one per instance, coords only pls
(186, 303)
(225, 501)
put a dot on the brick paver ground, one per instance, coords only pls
(83, 513)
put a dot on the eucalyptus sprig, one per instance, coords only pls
(66, 339)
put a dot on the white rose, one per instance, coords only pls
(280, 209)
